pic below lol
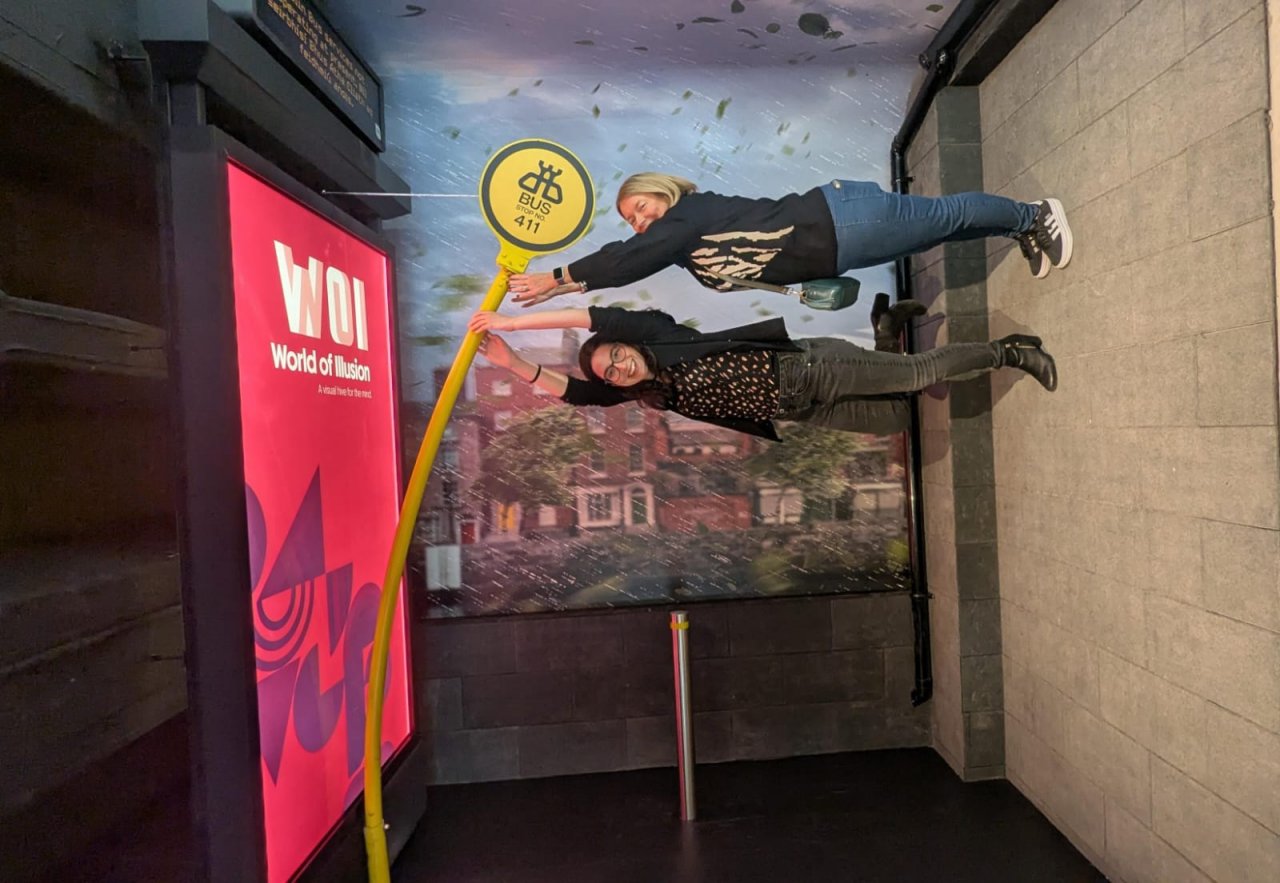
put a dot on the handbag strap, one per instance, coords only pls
(751, 283)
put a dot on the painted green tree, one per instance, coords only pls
(812, 460)
(529, 462)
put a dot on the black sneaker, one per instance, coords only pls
(1031, 250)
(1052, 232)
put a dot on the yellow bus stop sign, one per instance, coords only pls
(537, 198)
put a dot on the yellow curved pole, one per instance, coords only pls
(375, 833)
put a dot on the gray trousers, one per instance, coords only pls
(839, 385)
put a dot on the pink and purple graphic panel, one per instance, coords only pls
(319, 411)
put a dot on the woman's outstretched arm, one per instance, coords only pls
(530, 289)
(499, 353)
(614, 265)
(484, 320)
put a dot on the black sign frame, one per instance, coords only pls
(270, 29)
(213, 534)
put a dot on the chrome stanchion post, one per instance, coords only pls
(684, 714)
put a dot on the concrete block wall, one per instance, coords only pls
(958, 476)
(1139, 506)
(524, 697)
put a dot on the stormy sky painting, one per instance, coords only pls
(746, 97)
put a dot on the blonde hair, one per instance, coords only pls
(669, 187)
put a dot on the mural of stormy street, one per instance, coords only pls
(537, 506)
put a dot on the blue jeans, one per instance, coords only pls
(875, 227)
(836, 384)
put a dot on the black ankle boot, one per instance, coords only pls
(1026, 352)
(889, 321)
(878, 309)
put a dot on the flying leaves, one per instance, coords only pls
(818, 26)
(813, 24)
(460, 290)
(429, 339)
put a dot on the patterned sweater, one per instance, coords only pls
(780, 241)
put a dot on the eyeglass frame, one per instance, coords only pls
(612, 362)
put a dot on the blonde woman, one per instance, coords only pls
(827, 231)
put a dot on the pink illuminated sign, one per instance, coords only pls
(321, 461)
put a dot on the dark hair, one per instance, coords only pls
(656, 393)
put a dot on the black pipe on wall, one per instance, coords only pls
(938, 59)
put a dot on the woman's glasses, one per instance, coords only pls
(616, 355)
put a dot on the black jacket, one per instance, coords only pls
(674, 344)
(781, 241)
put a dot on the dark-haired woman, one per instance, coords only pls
(745, 378)
(827, 231)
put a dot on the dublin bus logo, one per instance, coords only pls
(545, 178)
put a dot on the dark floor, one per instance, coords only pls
(870, 816)
(899, 816)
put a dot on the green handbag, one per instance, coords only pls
(820, 294)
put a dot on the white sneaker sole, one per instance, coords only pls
(1068, 244)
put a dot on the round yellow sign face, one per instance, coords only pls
(536, 196)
